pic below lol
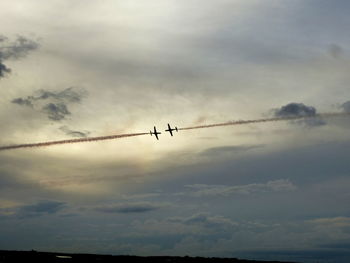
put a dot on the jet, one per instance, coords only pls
(170, 130)
(155, 132)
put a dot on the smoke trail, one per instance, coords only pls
(91, 139)
(111, 137)
(242, 122)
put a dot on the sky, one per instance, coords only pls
(75, 69)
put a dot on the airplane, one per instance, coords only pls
(155, 132)
(170, 130)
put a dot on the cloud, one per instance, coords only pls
(23, 102)
(129, 208)
(299, 110)
(49, 207)
(53, 103)
(335, 51)
(295, 110)
(205, 220)
(71, 94)
(3, 69)
(346, 106)
(14, 50)
(281, 185)
(56, 111)
(331, 221)
(224, 150)
(40, 208)
(73, 133)
(198, 224)
(18, 48)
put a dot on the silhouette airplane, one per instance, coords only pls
(170, 130)
(155, 133)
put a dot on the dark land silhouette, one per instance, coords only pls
(48, 257)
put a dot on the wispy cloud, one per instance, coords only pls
(198, 224)
(127, 208)
(205, 220)
(281, 185)
(56, 111)
(44, 207)
(331, 221)
(54, 104)
(14, 50)
(74, 133)
(228, 150)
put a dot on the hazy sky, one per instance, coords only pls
(72, 69)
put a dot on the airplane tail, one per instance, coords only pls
(176, 129)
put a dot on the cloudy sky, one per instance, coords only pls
(72, 69)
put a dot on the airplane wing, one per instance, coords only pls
(170, 130)
(156, 133)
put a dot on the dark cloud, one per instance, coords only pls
(73, 133)
(18, 48)
(53, 103)
(299, 110)
(23, 102)
(49, 207)
(346, 106)
(71, 94)
(56, 111)
(14, 50)
(40, 208)
(295, 110)
(3, 69)
(129, 208)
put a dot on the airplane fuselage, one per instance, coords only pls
(170, 130)
(155, 132)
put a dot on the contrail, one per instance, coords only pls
(91, 139)
(242, 122)
(111, 137)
